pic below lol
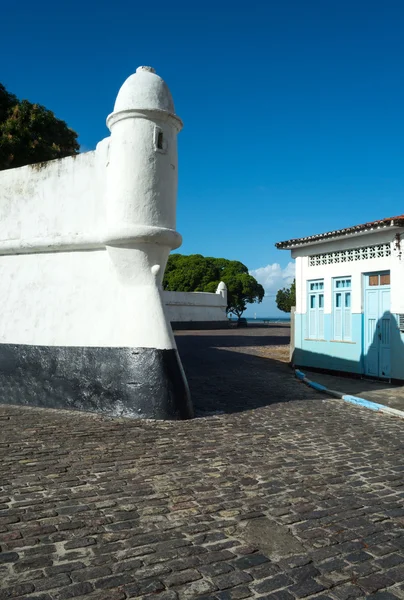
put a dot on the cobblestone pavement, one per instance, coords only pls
(277, 500)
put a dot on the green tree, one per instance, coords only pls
(286, 298)
(197, 273)
(30, 133)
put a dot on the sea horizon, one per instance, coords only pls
(264, 319)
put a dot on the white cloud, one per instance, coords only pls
(273, 277)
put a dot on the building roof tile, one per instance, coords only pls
(397, 221)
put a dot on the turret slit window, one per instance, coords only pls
(160, 142)
(342, 318)
(315, 326)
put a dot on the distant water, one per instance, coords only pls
(252, 320)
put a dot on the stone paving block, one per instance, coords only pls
(392, 560)
(307, 587)
(264, 570)
(294, 561)
(32, 563)
(167, 595)
(237, 593)
(281, 595)
(214, 569)
(113, 581)
(106, 595)
(127, 565)
(195, 589)
(396, 573)
(303, 573)
(217, 556)
(8, 557)
(80, 543)
(49, 583)
(72, 591)
(375, 582)
(358, 557)
(144, 587)
(361, 569)
(16, 591)
(180, 564)
(384, 596)
(87, 574)
(383, 549)
(334, 564)
(248, 561)
(273, 583)
(232, 579)
(153, 571)
(182, 577)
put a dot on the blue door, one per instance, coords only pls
(377, 325)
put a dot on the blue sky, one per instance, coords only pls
(292, 110)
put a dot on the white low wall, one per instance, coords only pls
(187, 307)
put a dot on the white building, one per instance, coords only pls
(350, 299)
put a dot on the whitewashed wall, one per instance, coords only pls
(53, 205)
(187, 307)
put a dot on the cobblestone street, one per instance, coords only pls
(273, 492)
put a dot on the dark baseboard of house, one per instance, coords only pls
(346, 374)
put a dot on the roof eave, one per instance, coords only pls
(338, 234)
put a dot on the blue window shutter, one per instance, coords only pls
(347, 325)
(320, 317)
(312, 317)
(338, 316)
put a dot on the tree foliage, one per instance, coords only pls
(286, 298)
(197, 273)
(30, 133)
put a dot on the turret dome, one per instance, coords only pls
(144, 90)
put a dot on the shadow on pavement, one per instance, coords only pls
(225, 376)
(222, 379)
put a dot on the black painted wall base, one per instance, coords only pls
(191, 325)
(131, 382)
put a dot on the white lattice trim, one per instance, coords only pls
(341, 256)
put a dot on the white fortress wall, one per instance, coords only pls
(84, 243)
